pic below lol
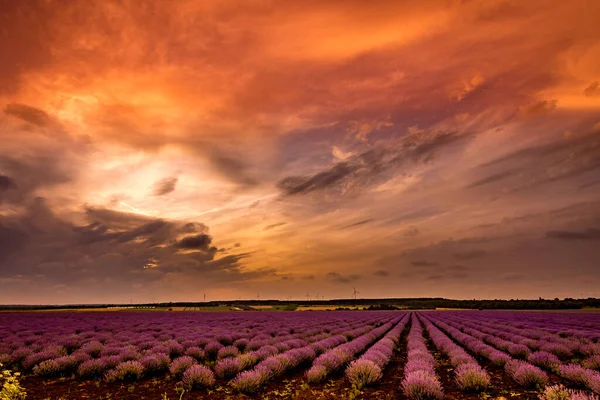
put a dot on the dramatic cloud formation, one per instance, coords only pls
(162, 150)
(165, 186)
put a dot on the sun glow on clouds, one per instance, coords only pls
(315, 144)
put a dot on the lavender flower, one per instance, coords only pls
(156, 363)
(421, 385)
(198, 376)
(48, 368)
(93, 348)
(228, 351)
(211, 350)
(126, 371)
(316, 373)
(559, 392)
(94, 368)
(519, 350)
(247, 381)
(525, 374)
(592, 362)
(471, 378)
(241, 344)
(195, 352)
(180, 365)
(544, 360)
(227, 368)
(578, 374)
(362, 373)
(498, 358)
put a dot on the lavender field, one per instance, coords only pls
(407, 355)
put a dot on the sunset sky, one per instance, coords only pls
(160, 150)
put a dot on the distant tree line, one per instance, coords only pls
(381, 304)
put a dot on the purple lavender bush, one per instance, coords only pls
(247, 381)
(316, 373)
(579, 375)
(195, 352)
(211, 350)
(559, 392)
(228, 351)
(94, 368)
(93, 348)
(525, 374)
(198, 377)
(227, 368)
(544, 360)
(471, 378)
(363, 373)
(592, 362)
(180, 365)
(519, 351)
(156, 364)
(126, 371)
(421, 385)
(48, 368)
(499, 358)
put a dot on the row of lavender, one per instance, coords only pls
(194, 347)
(524, 353)
(448, 333)
(573, 359)
(249, 350)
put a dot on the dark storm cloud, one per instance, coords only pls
(98, 232)
(374, 165)
(423, 147)
(543, 107)
(435, 277)
(273, 226)
(423, 263)
(513, 276)
(339, 278)
(589, 234)
(592, 90)
(382, 273)
(560, 158)
(231, 167)
(309, 277)
(468, 255)
(410, 231)
(359, 223)
(582, 144)
(164, 186)
(457, 268)
(492, 178)
(195, 242)
(11, 239)
(300, 185)
(6, 183)
(28, 114)
(589, 184)
(28, 173)
(120, 247)
(450, 272)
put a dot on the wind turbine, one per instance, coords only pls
(355, 292)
